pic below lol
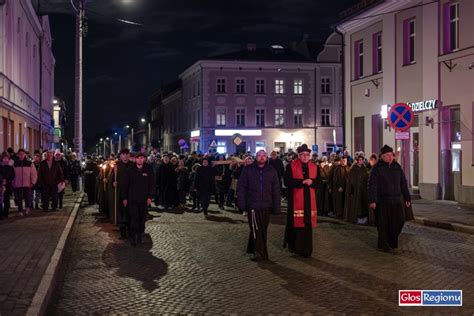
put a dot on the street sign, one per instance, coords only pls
(237, 139)
(402, 135)
(314, 148)
(401, 117)
(213, 143)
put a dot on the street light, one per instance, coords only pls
(143, 120)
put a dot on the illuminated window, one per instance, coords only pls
(220, 117)
(298, 86)
(279, 117)
(279, 86)
(221, 147)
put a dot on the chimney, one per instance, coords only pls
(251, 47)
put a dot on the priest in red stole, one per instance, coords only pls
(301, 178)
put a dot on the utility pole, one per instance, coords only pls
(78, 97)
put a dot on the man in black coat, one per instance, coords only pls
(91, 171)
(58, 157)
(205, 184)
(137, 193)
(50, 174)
(386, 185)
(258, 194)
(116, 181)
(166, 182)
(74, 172)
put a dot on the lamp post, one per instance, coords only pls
(78, 91)
(110, 149)
(103, 144)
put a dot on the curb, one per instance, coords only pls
(467, 229)
(40, 301)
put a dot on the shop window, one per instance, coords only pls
(221, 147)
(259, 146)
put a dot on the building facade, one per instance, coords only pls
(268, 98)
(59, 118)
(420, 53)
(26, 77)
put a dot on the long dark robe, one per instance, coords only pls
(257, 243)
(339, 180)
(322, 194)
(299, 240)
(90, 181)
(118, 214)
(357, 203)
(102, 197)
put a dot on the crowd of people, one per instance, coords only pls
(352, 188)
(36, 181)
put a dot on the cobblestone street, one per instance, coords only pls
(189, 264)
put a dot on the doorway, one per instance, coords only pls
(281, 146)
(415, 158)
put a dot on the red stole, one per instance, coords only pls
(298, 194)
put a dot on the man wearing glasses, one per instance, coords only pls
(301, 178)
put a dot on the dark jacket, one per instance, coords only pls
(50, 177)
(387, 182)
(259, 189)
(65, 167)
(74, 169)
(204, 181)
(278, 165)
(8, 174)
(182, 179)
(138, 184)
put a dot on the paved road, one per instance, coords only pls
(192, 265)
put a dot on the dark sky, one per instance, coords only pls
(124, 64)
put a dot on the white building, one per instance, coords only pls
(26, 77)
(412, 52)
(263, 98)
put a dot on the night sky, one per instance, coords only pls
(124, 64)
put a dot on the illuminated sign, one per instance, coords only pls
(424, 105)
(196, 133)
(421, 106)
(243, 132)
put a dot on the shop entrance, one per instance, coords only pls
(415, 158)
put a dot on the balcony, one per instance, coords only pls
(19, 100)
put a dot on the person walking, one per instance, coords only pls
(192, 188)
(25, 177)
(91, 171)
(50, 175)
(258, 194)
(8, 176)
(301, 178)
(205, 184)
(118, 213)
(36, 188)
(137, 193)
(386, 185)
(339, 181)
(357, 205)
(74, 172)
(58, 157)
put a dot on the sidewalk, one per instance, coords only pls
(26, 250)
(444, 214)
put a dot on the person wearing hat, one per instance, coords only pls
(205, 184)
(25, 177)
(386, 185)
(322, 194)
(50, 174)
(119, 213)
(301, 178)
(356, 209)
(137, 193)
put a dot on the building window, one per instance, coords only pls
(450, 27)
(377, 53)
(409, 35)
(259, 146)
(325, 117)
(220, 117)
(298, 117)
(221, 147)
(279, 117)
(221, 85)
(240, 86)
(325, 85)
(359, 59)
(279, 86)
(359, 133)
(260, 117)
(240, 117)
(260, 86)
(298, 86)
